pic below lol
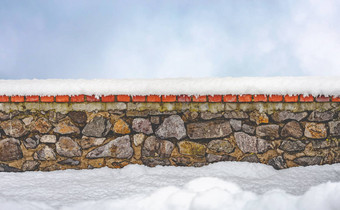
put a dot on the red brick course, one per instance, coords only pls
(215, 98)
(47, 98)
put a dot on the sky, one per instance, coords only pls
(85, 39)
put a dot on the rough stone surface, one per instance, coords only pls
(236, 124)
(142, 125)
(7, 168)
(235, 115)
(251, 144)
(66, 127)
(315, 130)
(30, 165)
(27, 121)
(55, 116)
(70, 162)
(271, 131)
(78, 116)
(138, 139)
(87, 142)
(46, 153)
(317, 144)
(211, 158)
(118, 148)
(66, 147)
(210, 115)
(121, 127)
(317, 116)
(208, 130)
(292, 146)
(263, 145)
(258, 117)
(41, 125)
(97, 127)
(307, 160)
(292, 129)
(172, 127)
(251, 159)
(4, 116)
(155, 161)
(287, 115)
(32, 142)
(10, 149)
(191, 148)
(220, 146)
(248, 129)
(278, 162)
(154, 147)
(155, 120)
(48, 139)
(334, 128)
(14, 128)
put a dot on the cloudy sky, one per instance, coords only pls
(177, 38)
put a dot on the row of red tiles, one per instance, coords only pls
(170, 98)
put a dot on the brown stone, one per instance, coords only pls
(235, 115)
(66, 147)
(32, 142)
(334, 128)
(278, 162)
(208, 130)
(258, 117)
(30, 165)
(251, 159)
(10, 149)
(251, 144)
(281, 116)
(66, 127)
(315, 130)
(121, 127)
(210, 115)
(155, 161)
(221, 146)
(292, 129)
(317, 116)
(46, 153)
(308, 160)
(41, 125)
(271, 131)
(78, 116)
(14, 128)
(292, 146)
(88, 142)
(154, 147)
(191, 148)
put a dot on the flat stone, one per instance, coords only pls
(172, 127)
(248, 129)
(278, 162)
(271, 131)
(190, 115)
(165, 149)
(121, 127)
(235, 115)
(334, 128)
(66, 127)
(155, 161)
(181, 161)
(142, 125)
(317, 144)
(138, 139)
(78, 116)
(32, 142)
(282, 116)
(87, 142)
(30, 165)
(46, 153)
(154, 147)
(7, 168)
(316, 116)
(263, 145)
(48, 139)
(41, 125)
(292, 129)
(210, 115)
(55, 116)
(308, 160)
(251, 159)
(251, 144)
(14, 128)
(67, 147)
(117, 148)
(97, 127)
(27, 121)
(191, 148)
(10, 149)
(212, 158)
(69, 162)
(4, 116)
(208, 130)
(258, 117)
(292, 146)
(236, 124)
(155, 120)
(315, 130)
(220, 146)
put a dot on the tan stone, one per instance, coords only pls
(138, 139)
(191, 148)
(315, 130)
(41, 125)
(121, 127)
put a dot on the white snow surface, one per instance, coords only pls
(224, 185)
(328, 86)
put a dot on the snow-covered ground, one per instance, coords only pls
(224, 185)
(191, 86)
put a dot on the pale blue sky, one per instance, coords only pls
(157, 39)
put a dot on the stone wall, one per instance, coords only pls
(53, 136)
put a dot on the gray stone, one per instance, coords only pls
(48, 139)
(316, 116)
(292, 129)
(154, 147)
(334, 128)
(181, 161)
(210, 115)
(46, 153)
(30, 165)
(138, 139)
(32, 142)
(27, 121)
(14, 128)
(220, 146)
(292, 146)
(251, 159)
(118, 148)
(315, 130)
(251, 144)
(263, 145)
(308, 160)
(271, 131)
(78, 116)
(287, 115)
(66, 127)
(154, 120)
(87, 142)
(208, 130)
(142, 125)
(55, 116)
(97, 127)
(248, 129)
(70, 162)
(258, 117)
(10, 149)
(4, 116)
(236, 124)
(235, 115)
(155, 161)
(42, 125)
(172, 127)
(278, 162)
(211, 158)
(317, 144)
(7, 168)
(190, 115)
(66, 147)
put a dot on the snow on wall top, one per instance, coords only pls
(190, 86)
